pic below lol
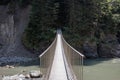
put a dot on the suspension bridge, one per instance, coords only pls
(60, 61)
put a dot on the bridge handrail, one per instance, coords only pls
(48, 47)
(72, 47)
(46, 59)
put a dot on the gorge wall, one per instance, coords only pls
(95, 35)
(12, 27)
(109, 47)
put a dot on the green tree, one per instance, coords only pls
(40, 30)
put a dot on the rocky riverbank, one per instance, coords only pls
(34, 75)
(26, 69)
(108, 48)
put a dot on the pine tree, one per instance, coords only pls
(41, 26)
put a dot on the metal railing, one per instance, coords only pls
(73, 61)
(46, 59)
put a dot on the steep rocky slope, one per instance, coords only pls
(12, 27)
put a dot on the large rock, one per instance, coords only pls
(90, 50)
(116, 51)
(35, 74)
(110, 50)
(110, 47)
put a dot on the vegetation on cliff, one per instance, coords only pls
(82, 21)
(89, 20)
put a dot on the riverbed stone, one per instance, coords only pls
(35, 74)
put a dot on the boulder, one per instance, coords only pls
(90, 50)
(8, 66)
(116, 51)
(27, 76)
(110, 47)
(105, 51)
(35, 74)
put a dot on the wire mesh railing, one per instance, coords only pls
(46, 59)
(74, 62)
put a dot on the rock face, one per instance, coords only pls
(110, 50)
(90, 50)
(116, 51)
(12, 27)
(109, 47)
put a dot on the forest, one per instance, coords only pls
(87, 49)
(90, 26)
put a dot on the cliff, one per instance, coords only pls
(12, 27)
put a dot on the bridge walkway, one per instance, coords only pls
(58, 71)
(60, 61)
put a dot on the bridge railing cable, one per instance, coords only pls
(74, 61)
(46, 59)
